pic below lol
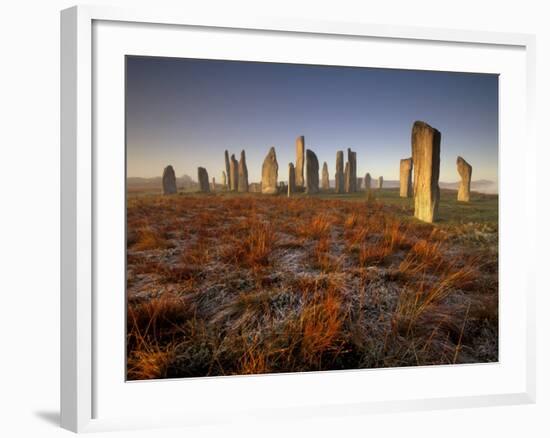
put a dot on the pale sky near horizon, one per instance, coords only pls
(186, 112)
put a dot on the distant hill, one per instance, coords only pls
(138, 183)
(135, 181)
(481, 186)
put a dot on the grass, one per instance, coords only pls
(482, 208)
(225, 284)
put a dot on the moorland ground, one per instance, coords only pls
(226, 283)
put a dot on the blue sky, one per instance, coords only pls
(186, 112)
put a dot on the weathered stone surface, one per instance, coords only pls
(291, 179)
(300, 159)
(380, 182)
(224, 180)
(270, 171)
(359, 184)
(213, 183)
(405, 177)
(346, 178)
(426, 144)
(325, 183)
(367, 182)
(204, 185)
(169, 181)
(243, 174)
(351, 175)
(227, 171)
(339, 175)
(465, 172)
(234, 173)
(312, 172)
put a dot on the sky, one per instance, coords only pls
(187, 112)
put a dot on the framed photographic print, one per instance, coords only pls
(265, 218)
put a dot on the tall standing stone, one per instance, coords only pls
(213, 184)
(243, 174)
(426, 145)
(234, 173)
(312, 172)
(339, 175)
(204, 185)
(270, 171)
(325, 183)
(346, 177)
(359, 184)
(405, 177)
(351, 172)
(291, 179)
(300, 158)
(367, 183)
(224, 180)
(227, 171)
(465, 172)
(169, 181)
(380, 182)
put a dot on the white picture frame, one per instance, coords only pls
(81, 331)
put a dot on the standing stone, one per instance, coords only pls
(234, 173)
(299, 169)
(224, 180)
(325, 183)
(346, 178)
(339, 175)
(312, 172)
(169, 181)
(213, 184)
(380, 182)
(270, 170)
(291, 179)
(405, 177)
(465, 172)
(426, 145)
(367, 183)
(353, 170)
(204, 185)
(351, 175)
(359, 184)
(227, 171)
(243, 174)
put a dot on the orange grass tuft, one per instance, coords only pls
(149, 238)
(321, 323)
(315, 228)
